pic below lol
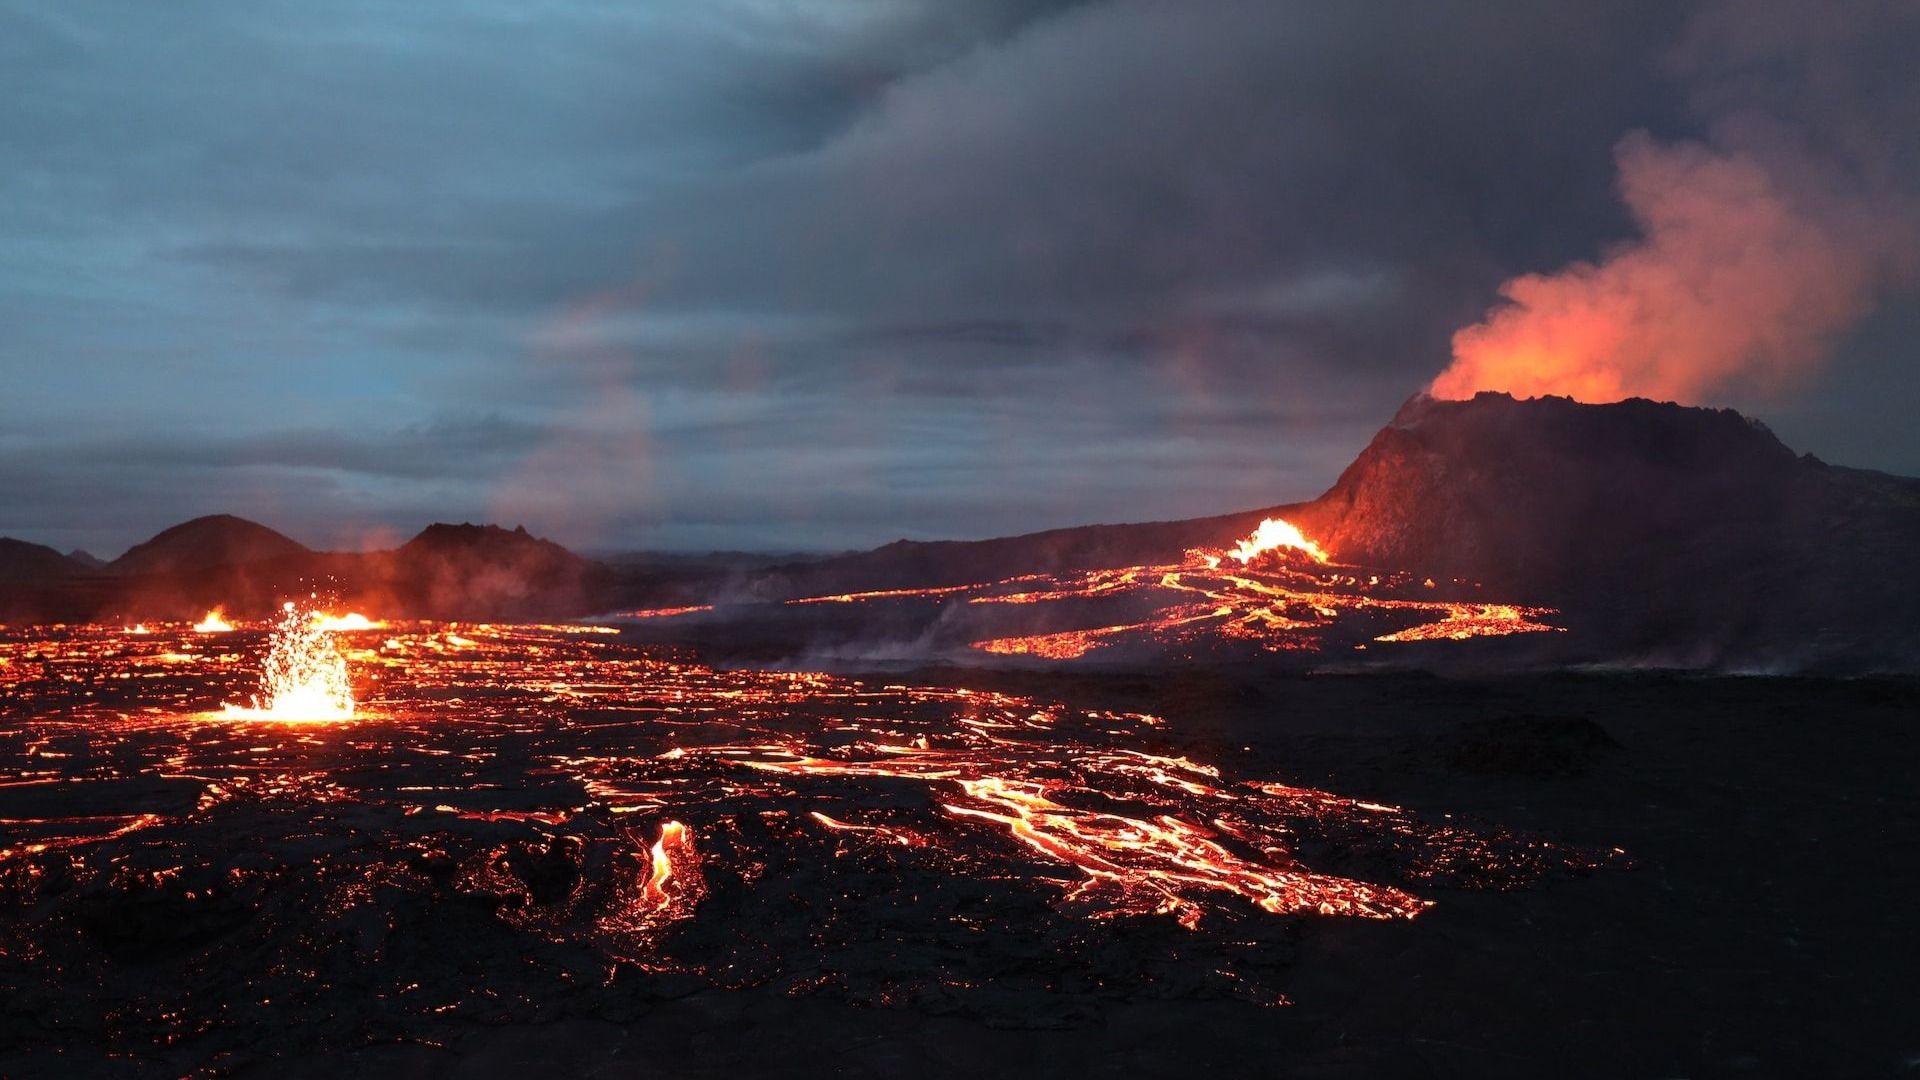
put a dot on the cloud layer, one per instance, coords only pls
(803, 275)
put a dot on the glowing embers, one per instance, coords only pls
(214, 622)
(305, 677)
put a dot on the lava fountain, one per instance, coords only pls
(1275, 534)
(215, 622)
(305, 679)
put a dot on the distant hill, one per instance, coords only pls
(206, 542)
(447, 571)
(22, 561)
(476, 571)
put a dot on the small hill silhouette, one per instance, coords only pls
(22, 561)
(204, 542)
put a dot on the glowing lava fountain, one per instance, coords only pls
(305, 679)
(1272, 535)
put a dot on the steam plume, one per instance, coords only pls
(1756, 248)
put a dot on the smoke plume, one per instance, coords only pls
(1757, 246)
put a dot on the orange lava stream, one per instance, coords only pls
(1164, 855)
(1282, 593)
(1159, 864)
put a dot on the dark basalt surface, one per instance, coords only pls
(1759, 930)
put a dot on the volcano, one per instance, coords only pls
(455, 571)
(1689, 533)
(1669, 535)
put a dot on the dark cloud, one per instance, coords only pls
(773, 274)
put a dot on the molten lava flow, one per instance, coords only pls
(352, 620)
(1275, 534)
(1468, 621)
(674, 844)
(1151, 864)
(214, 623)
(665, 612)
(305, 678)
(670, 891)
(1276, 590)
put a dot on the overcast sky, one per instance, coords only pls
(801, 274)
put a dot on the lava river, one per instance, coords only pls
(510, 817)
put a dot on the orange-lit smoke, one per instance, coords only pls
(1739, 282)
